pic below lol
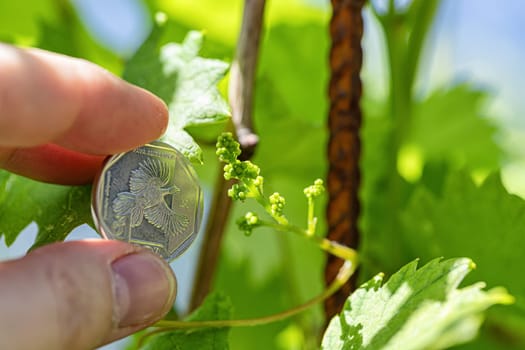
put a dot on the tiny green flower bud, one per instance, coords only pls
(251, 170)
(238, 192)
(277, 204)
(248, 222)
(227, 148)
(258, 181)
(228, 171)
(314, 190)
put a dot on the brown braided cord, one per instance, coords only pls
(344, 146)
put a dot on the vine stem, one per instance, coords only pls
(241, 89)
(312, 220)
(344, 274)
(334, 248)
(242, 75)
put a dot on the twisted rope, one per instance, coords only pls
(344, 145)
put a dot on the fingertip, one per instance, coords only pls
(145, 288)
(159, 112)
(73, 103)
(123, 117)
(82, 294)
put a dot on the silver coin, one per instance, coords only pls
(149, 196)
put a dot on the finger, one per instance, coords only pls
(82, 294)
(46, 97)
(51, 163)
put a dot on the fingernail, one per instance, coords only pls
(145, 288)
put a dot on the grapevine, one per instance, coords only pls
(250, 184)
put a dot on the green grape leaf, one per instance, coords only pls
(55, 209)
(449, 131)
(450, 126)
(185, 81)
(483, 222)
(215, 307)
(415, 309)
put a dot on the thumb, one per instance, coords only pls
(81, 294)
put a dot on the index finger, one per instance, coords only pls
(50, 98)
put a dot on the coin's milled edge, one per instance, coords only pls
(98, 192)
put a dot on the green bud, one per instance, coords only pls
(258, 181)
(277, 203)
(227, 148)
(251, 170)
(314, 190)
(228, 171)
(238, 192)
(238, 169)
(251, 218)
(248, 222)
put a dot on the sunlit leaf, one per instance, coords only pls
(415, 309)
(185, 81)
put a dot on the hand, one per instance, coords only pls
(59, 117)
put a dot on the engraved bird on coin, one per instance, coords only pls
(149, 185)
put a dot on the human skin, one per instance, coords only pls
(59, 118)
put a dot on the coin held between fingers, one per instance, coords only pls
(149, 196)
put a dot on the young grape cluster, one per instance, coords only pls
(314, 190)
(249, 184)
(249, 181)
(227, 148)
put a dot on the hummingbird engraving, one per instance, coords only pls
(149, 185)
